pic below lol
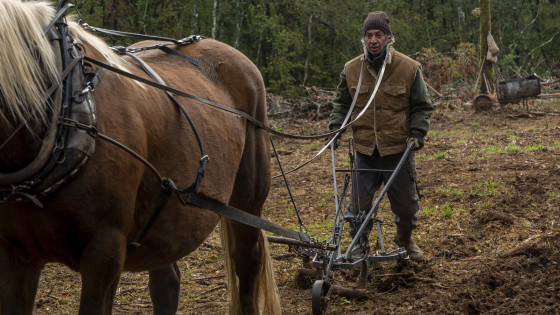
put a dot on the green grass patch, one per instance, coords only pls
(440, 155)
(447, 210)
(533, 148)
(448, 191)
(486, 152)
(485, 189)
(312, 145)
(435, 134)
(512, 148)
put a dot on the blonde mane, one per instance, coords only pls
(28, 65)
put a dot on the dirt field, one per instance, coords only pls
(489, 225)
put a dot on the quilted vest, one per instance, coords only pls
(385, 124)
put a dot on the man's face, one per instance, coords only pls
(375, 41)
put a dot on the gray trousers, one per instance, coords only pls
(401, 194)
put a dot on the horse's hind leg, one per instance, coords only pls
(18, 285)
(244, 265)
(164, 289)
(250, 259)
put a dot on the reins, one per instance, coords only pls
(203, 202)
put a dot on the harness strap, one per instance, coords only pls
(176, 53)
(161, 203)
(129, 35)
(191, 196)
(38, 164)
(97, 77)
(202, 165)
(57, 17)
(241, 216)
(211, 103)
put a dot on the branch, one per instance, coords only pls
(325, 23)
(543, 44)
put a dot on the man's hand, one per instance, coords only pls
(336, 141)
(418, 140)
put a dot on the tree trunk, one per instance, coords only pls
(308, 52)
(261, 34)
(195, 18)
(144, 17)
(462, 28)
(214, 18)
(238, 21)
(427, 24)
(487, 77)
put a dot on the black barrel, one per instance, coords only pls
(512, 91)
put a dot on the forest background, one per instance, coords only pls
(298, 43)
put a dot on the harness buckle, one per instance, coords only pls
(121, 50)
(79, 96)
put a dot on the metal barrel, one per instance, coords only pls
(517, 89)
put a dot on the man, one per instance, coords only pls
(399, 113)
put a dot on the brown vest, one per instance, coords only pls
(386, 122)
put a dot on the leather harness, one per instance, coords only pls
(76, 133)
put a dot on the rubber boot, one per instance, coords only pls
(404, 239)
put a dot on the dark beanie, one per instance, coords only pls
(377, 20)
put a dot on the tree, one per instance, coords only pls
(195, 18)
(487, 76)
(214, 18)
(462, 31)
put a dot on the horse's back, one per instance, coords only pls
(153, 126)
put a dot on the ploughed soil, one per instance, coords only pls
(489, 225)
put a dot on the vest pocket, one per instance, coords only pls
(363, 95)
(396, 90)
(395, 97)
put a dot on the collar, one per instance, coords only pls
(374, 63)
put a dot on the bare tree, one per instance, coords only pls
(214, 18)
(261, 33)
(462, 28)
(238, 21)
(195, 18)
(308, 52)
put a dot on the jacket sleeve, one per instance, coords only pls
(341, 104)
(420, 105)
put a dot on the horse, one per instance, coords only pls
(88, 222)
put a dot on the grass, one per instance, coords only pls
(485, 189)
(447, 210)
(533, 148)
(440, 156)
(512, 148)
(313, 145)
(450, 191)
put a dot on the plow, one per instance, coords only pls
(321, 260)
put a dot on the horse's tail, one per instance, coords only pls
(266, 289)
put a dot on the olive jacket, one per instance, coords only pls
(401, 105)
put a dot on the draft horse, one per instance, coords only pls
(87, 222)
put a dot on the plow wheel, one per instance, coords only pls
(320, 297)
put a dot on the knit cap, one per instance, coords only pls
(377, 20)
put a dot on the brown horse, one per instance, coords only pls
(88, 222)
